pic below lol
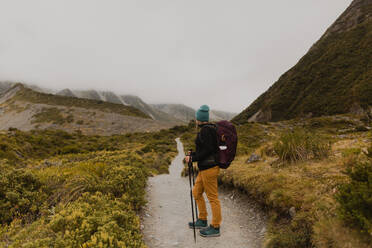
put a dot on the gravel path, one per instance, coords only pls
(165, 217)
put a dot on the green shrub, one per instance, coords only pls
(351, 152)
(21, 194)
(355, 198)
(86, 195)
(94, 220)
(293, 233)
(299, 145)
(70, 149)
(115, 180)
(361, 129)
(369, 154)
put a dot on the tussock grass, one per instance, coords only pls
(300, 145)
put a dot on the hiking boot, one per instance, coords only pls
(199, 224)
(210, 232)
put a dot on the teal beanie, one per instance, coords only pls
(202, 114)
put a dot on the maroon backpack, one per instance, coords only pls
(227, 139)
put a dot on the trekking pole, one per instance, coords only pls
(192, 201)
(193, 183)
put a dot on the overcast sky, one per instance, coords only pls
(223, 53)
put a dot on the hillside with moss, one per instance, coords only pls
(334, 77)
(26, 109)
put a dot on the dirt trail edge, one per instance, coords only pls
(165, 217)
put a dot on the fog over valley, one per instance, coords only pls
(216, 52)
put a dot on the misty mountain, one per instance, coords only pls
(27, 109)
(218, 115)
(186, 113)
(179, 111)
(4, 86)
(334, 77)
(128, 100)
(173, 113)
(66, 92)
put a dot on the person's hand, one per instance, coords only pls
(187, 159)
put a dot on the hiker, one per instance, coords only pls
(206, 181)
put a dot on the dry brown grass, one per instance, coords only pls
(308, 186)
(330, 232)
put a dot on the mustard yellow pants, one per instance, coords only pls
(206, 181)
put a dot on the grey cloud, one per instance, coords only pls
(223, 53)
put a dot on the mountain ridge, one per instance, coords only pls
(26, 109)
(173, 113)
(334, 77)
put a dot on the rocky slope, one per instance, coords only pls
(334, 77)
(26, 109)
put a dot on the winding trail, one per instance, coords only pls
(165, 217)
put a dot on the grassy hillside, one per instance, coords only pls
(87, 196)
(333, 77)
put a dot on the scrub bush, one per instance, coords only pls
(355, 198)
(94, 220)
(88, 197)
(21, 194)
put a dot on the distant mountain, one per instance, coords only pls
(179, 111)
(334, 77)
(109, 96)
(27, 109)
(88, 94)
(39, 89)
(137, 102)
(66, 92)
(186, 113)
(4, 86)
(174, 114)
(218, 115)
(128, 100)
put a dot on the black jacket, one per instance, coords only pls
(206, 147)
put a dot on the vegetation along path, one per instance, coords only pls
(168, 210)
